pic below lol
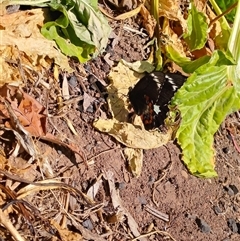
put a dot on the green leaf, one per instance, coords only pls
(204, 101)
(66, 47)
(185, 63)
(196, 36)
(224, 5)
(95, 23)
(81, 30)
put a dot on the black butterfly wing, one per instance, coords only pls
(171, 84)
(149, 86)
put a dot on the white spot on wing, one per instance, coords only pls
(170, 80)
(156, 109)
(168, 77)
(174, 87)
(156, 78)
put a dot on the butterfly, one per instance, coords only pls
(151, 96)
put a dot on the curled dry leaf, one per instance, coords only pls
(135, 160)
(30, 114)
(133, 136)
(171, 10)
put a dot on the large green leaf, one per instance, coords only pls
(196, 35)
(204, 101)
(68, 48)
(80, 30)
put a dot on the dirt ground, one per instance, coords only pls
(197, 209)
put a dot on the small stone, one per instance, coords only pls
(229, 191)
(225, 150)
(120, 185)
(217, 210)
(190, 216)
(142, 200)
(73, 81)
(90, 109)
(234, 188)
(232, 225)
(204, 227)
(97, 95)
(151, 180)
(88, 224)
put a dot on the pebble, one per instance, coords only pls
(232, 225)
(120, 185)
(190, 216)
(226, 150)
(142, 200)
(217, 210)
(88, 224)
(151, 180)
(204, 227)
(234, 188)
(73, 81)
(229, 191)
(90, 109)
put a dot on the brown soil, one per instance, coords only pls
(198, 209)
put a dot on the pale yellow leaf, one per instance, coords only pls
(133, 136)
(135, 160)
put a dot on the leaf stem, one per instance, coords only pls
(223, 13)
(218, 11)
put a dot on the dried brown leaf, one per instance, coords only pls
(149, 21)
(29, 112)
(21, 39)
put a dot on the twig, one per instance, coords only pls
(153, 211)
(125, 27)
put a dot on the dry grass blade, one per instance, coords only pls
(45, 185)
(7, 224)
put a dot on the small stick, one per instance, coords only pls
(155, 212)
